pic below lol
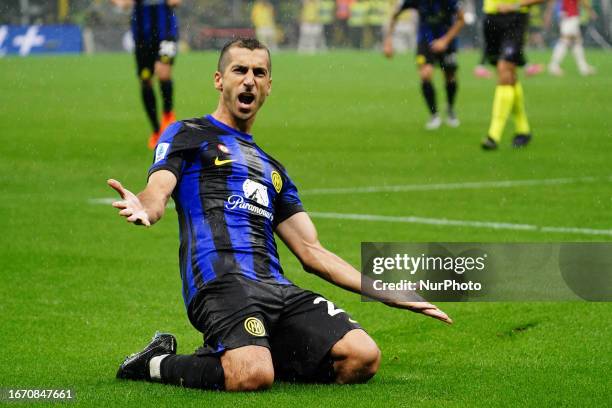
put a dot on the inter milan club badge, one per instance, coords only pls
(223, 148)
(277, 181)
(254, 326)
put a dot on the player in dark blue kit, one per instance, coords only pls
(155, 31)
(439, 24)
(231, 197)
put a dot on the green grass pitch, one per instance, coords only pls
(81, 288)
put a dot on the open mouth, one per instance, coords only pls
(246, 98)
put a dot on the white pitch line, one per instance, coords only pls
(461, 223)
(430, 221)
(455, 186)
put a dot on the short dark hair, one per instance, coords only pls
(242, 42)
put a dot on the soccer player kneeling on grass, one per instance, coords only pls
(439, 23)
(504, 31)
(231, 197)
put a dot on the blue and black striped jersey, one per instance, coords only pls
(435, 17)
(230, 196)
(153, 21)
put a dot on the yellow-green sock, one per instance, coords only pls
(502, 105)
(520, 116)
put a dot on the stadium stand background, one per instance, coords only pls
(206, 24)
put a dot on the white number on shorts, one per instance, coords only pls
(331, 309)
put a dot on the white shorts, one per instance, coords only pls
(570, 26)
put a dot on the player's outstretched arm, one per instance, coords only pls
(300, 235)
(148, 206)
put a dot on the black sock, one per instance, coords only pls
(148, 98)
(451, 91)
(193, 371)
(166, 91)
(430, 96)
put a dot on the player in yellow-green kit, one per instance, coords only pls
(504, 31)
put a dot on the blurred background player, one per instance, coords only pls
(378, 14)
(327, 14)
(535, 39)
(155, 33)
(343, 13)
(263, 19)
(439, 23)
(312, 38)
(357, 22)
(504, 32)
(569, 25)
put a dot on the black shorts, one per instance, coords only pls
(148, 53)
(505, 37)
(298, 326)
(447, 59)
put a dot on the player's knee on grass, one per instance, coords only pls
(248, 368)
(357, 358)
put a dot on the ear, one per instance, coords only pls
(269, 90)
(219, 81)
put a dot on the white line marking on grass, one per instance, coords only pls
(461, 223)
(429, 221)
(475, 185)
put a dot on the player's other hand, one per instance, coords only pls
(439, 45)
(130, 206)
(425, 308)
(388, 47)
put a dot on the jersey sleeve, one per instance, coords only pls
(169, 154)
(287, 202)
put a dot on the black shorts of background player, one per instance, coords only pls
(439, 24)
(155, 31)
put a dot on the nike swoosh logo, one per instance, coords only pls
(222, 162)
